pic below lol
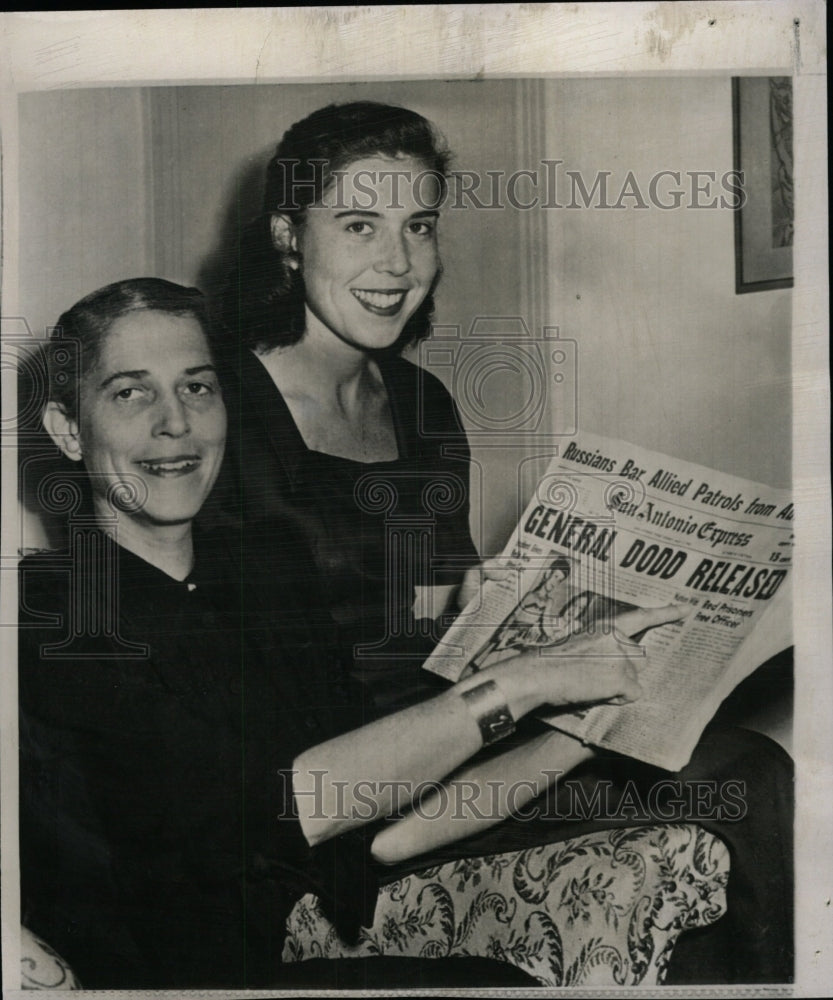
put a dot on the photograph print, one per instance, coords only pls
(291, 361)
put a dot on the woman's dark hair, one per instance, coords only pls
(262, 301)
(562, 564)
(77, 338)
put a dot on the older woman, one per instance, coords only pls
(331, 427)
(193, 755)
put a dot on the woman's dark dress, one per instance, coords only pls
(374, 530)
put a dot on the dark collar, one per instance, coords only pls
(135, 573)
(265, 400)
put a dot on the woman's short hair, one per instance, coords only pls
(561, 564)
(76, 340)
(262, 301)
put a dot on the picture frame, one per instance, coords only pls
(764, 221)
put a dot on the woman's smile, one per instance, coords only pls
(179, 465)
(380, 303)
(367, 269)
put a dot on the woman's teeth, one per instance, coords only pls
(176, 465)
(379, 300)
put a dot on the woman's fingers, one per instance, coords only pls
(632, 690)
(588, 671)
(496, 568)
(634, 622)
(474, 578)
(615, 640)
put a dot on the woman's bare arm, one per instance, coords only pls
(480, 795)
(377, 770)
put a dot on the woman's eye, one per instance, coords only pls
(359, 228)
(129, 392)
(199, 389)
(422, 228)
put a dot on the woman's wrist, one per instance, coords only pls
(488, 706)
(518, 681)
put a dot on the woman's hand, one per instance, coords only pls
(590, 668)
(360, 776)
(431, 602)
(472, 584)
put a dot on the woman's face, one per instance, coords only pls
(151, 417)
(369, 251)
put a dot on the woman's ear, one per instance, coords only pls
(284, 237)
(63, 430)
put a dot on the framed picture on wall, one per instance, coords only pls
(763, 153)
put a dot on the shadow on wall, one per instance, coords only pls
(243, 199)
(49, 486)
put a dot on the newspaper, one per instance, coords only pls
(612, 526)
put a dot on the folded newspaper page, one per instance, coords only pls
(612, 526)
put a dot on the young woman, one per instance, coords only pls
(194, 757)
(331, 427)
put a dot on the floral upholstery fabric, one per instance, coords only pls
(42, 968)
(604, 909)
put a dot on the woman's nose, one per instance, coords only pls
(171, 417)
(393, 257)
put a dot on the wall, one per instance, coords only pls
(670, 357)
(83, 209)
(83, 196)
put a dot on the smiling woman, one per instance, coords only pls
(331, 428)
(143, 410)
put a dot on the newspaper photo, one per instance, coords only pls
(612, 527)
